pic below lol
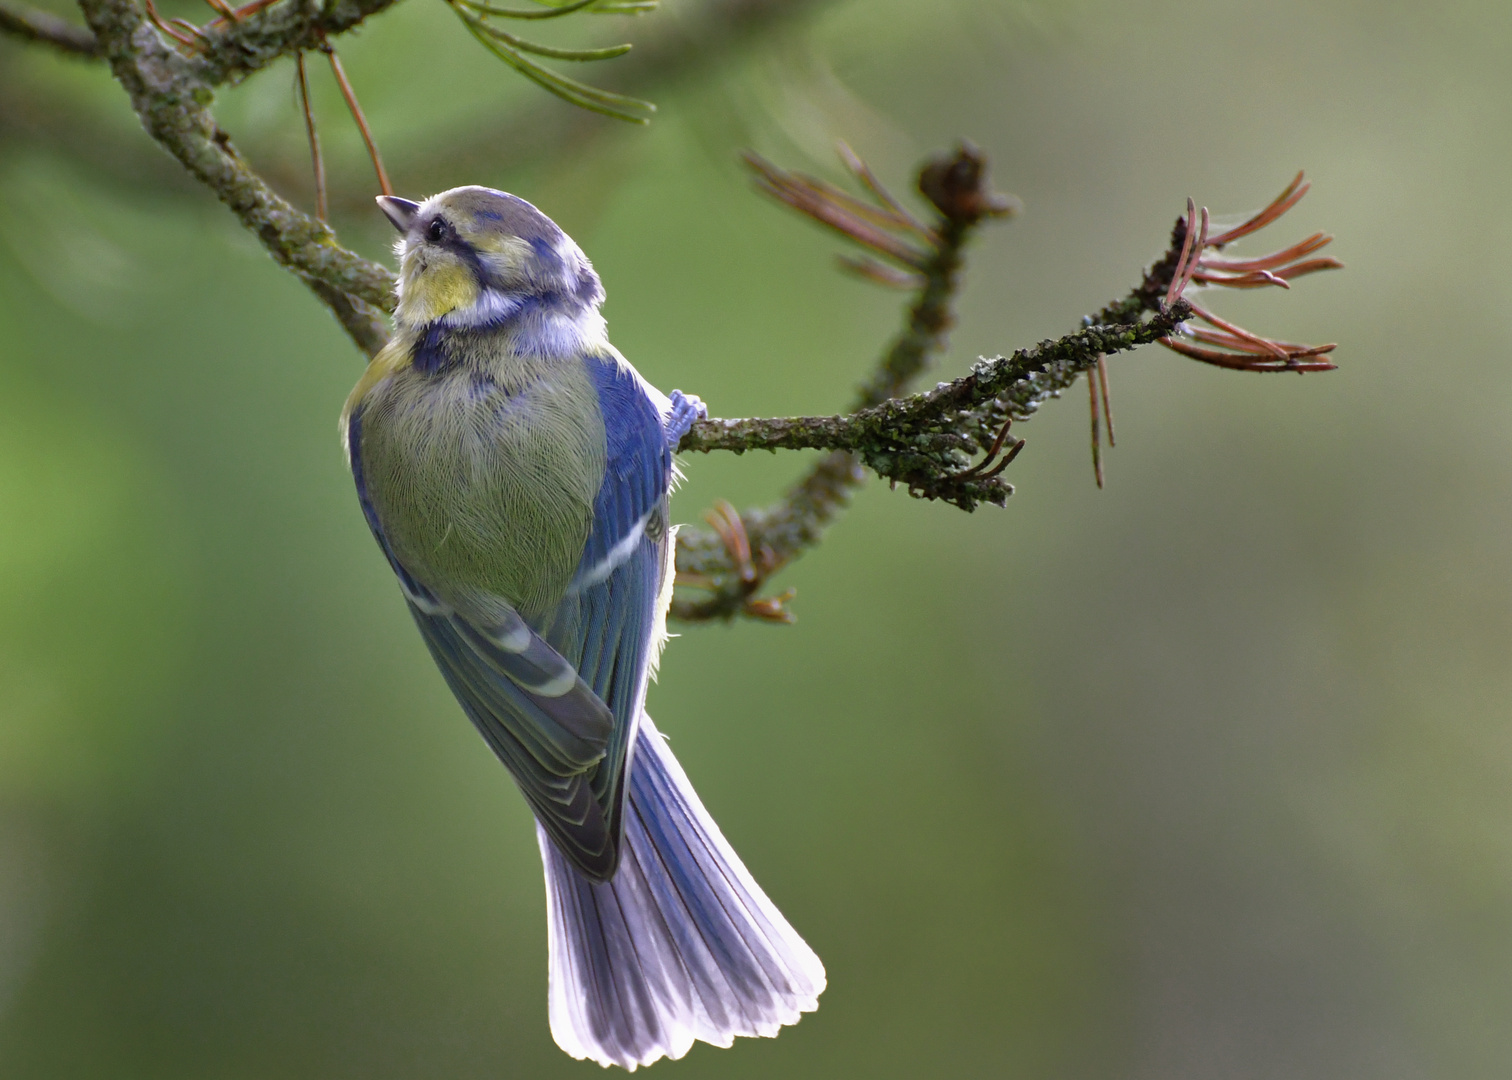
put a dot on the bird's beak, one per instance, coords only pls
(400, 211)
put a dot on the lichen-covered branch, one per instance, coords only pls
(927, 442)
(171, 90)
(46, 28)
(226, 50)
(173, 102)
(230, 51)
(773, 536)
(674, 46)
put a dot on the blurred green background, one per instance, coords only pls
(1208, 774)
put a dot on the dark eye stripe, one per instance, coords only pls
(443, 233)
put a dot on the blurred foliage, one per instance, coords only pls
(1208, 774)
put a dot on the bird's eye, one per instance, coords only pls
(437, 230)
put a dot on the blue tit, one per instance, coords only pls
(516, 470)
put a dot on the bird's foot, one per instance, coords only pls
(687, 410)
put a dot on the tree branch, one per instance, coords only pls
(925, 424)
(46, 28)
(229, 52)
(173, 102)
(171, 93)
(676, 45)
(733, 562)
(928, 441)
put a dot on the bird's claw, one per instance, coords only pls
(686, 411)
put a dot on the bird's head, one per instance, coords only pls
(473, 256)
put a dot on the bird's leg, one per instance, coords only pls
(687, 410)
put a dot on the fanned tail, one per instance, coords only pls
(681, 945)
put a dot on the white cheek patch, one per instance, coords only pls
(491, 306)
(401, 252)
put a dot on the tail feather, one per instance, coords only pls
(681, 945)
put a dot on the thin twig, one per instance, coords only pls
(669, 50)
(236, 15)
(362, 125)
(224, 10)
(185, 33)
(170, 96)
(917, 440)
(1281, 204)
(926, 419)
(234, 50)
(926, 442)
(1107, 402)
(862, 171)
(46, 28)
(1097, 468)
(317, 162)
(957, 186)
(672, 50)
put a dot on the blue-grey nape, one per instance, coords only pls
(687, 410)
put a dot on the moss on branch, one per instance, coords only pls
(927, 441)
(229, 52)
(732, 563)
(173, 101)
(1024, 379)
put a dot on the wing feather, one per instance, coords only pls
(559, 701)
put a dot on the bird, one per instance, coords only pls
(516, 472)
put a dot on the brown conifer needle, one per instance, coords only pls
(356, 110)
(317, 162)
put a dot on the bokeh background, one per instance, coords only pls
(1207, 774)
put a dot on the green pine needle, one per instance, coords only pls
(553, 11)
(550, 50)
(513, 13)
(512, 51)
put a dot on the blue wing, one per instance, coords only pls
(638, 473)
(605, 623)
(558, 702)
